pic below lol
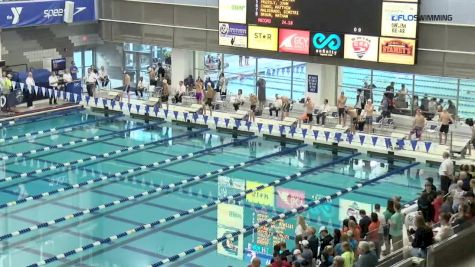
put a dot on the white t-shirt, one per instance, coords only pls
(91, 78)
(182, 89)
(444, 232)
(67, 78)
(278, 103)
(298, 230)
(30, 82)
(382, 222)
(446, 167)
(325, 108)
(53, 81)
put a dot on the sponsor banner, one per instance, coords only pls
(407, 1)
(289, 199)
(361, 47)
(326, 44)
(263, 38)
(230, 219)
(448, 11)
(233, 11)
(35, 13)
(294, 41)
(233, 35)
(399, 20)
(398, 51)
(261, 197)
(352, 208)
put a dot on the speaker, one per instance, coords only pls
(2, 63)
(68, 12)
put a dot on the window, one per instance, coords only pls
(241, 73)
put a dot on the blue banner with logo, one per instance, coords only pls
(48, 12)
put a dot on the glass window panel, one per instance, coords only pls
(382, 79)
(278, 76)
(299, 82)
(353, 79)
(442, 89)
(88, 58)
(129, 61)
(241, 73)
(78, 58)
(466, 108)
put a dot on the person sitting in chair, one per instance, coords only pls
(181, 92)
(276, 106)
(238, 100)
(323, 112)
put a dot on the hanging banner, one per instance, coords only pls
(230, 219)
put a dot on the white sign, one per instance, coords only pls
(361, 47)
(399, 20)
(233, 11)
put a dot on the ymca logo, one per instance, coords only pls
(321, 41)
(16, 11)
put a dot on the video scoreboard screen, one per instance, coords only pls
(341, 16)
(367, 30)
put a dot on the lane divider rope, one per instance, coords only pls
(190, 211)
(104, 177)
(70, 143)
(15, 122)
(62, 129)
(253, 227)
(75, 162)
(137, 196)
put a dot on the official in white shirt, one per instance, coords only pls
(446, 171)
(67, 78)
(103, 77)
(181, 92)
(29, 90)
(91, 80)
(53, 83)
(323, 112)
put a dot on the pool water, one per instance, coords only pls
(134, 145)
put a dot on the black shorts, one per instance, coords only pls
(209, 101)
(341, 112)
(444, 128)
(310, 117)
(164, 98)
(253, 108)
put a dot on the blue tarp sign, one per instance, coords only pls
(48, 12)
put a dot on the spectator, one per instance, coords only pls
(323, 112)
(446, 170)
(424, 205)
(366, 259)
(387, 215)
(385, 107)
(140, 88)
(373, 234)
(458, 195)
(74, 71)
(276, 106)
(355, 229)
(352, 241)
(437, 205)
(299, 258)
(423, 238)
(327, 257)
(278, 261)
(425, 103)
(29, 90)
(359, 101)
(255, 262)
(451, 109)
(301, 227)
(432, 107)
(339, 248)
(285, 107)
(181, 92)
(395, 227)
(445, 230)
(238, 100)
(307, 253)
(67, 78)
(313, 241)
(325, 239)
(189, 82)
(161, 72)
(365, 221)
(348, 255)
(336, 236)
(53, 83)
(338, 261)
(285, 253)
(222, 84)
(341, 104)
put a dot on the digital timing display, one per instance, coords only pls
(341, 16)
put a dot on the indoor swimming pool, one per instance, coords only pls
(81, 189)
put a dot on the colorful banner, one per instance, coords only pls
(289, 198)
(233, 35)
(326, 44)
(228, 186)
(294, 41)
(360, 47)
(352, 208)
(399, 51)
(263, 38)
(230, 219)
(36, 13)
(262, 197)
